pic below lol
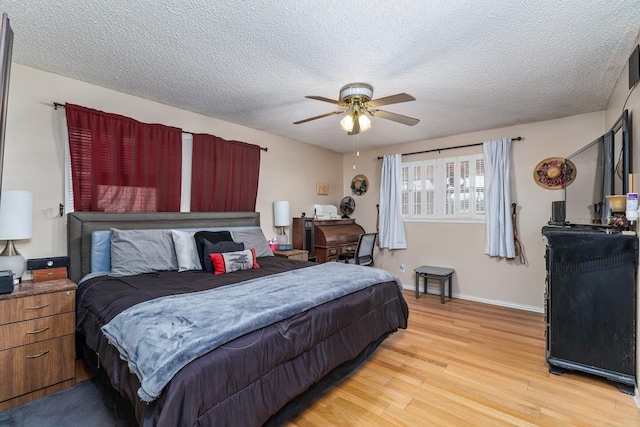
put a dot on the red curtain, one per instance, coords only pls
(121, 165)
(224, 175)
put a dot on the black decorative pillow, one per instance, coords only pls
(218, 248)
(211, 236)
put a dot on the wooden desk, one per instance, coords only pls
(335, 237)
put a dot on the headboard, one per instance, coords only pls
(80, 225)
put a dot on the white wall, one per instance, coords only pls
(460, 246)
(34, 152)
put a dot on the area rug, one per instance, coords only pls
(79, 406)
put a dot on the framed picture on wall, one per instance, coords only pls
(322, 189)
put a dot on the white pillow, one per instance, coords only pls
(186, 250)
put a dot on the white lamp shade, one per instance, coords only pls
(16, 215)
(281, 214)
(365, 123)
(347, 123)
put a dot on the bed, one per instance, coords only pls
(258, 376)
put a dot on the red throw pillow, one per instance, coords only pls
(234, 261)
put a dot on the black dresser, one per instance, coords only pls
(590, 302)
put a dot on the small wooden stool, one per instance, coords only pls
(440, 273)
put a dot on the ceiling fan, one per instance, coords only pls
(356, 98)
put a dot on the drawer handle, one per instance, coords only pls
(38, 331)
(38, 307)
(50, 274)
(33, 356)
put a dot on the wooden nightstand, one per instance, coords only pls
(37, 341)
(294, 254)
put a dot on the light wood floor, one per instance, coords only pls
(471, 364)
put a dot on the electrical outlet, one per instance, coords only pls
(401, 268)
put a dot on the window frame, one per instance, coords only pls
(426, 185)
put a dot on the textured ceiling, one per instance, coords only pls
(471, 64)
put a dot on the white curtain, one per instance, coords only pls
(391, 227)
(499, 228)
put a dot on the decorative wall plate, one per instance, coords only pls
(554, 173)
(359, 185)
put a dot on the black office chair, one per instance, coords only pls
(363, 255)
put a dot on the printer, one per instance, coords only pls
(326, 212)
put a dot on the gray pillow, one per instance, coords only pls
(253, 238)
(141, 251)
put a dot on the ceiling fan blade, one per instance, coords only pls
(333, 113)
(322, 98)
(393, 99)
(405, 120)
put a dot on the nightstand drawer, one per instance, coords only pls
(31, 307)
(31, 331)
(36, 366)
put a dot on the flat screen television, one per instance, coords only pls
(6, 48)
(603, 168)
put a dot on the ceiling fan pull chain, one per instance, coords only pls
(356, 152)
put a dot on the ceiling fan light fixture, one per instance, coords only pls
(357, 103)
(347, 123)
(365, 122)
(348, 120)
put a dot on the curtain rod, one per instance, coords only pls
(517, 138)
(58, 104)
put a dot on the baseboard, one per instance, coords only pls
(500, 303)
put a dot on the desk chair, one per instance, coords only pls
(363, 255)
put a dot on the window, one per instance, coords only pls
(444, 189)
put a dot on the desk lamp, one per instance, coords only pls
(16, 222)
(281, 219)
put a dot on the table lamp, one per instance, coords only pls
(16, 222)
(281, 219)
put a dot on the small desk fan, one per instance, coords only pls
(347, 206)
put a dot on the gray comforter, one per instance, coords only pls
(157, 338)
